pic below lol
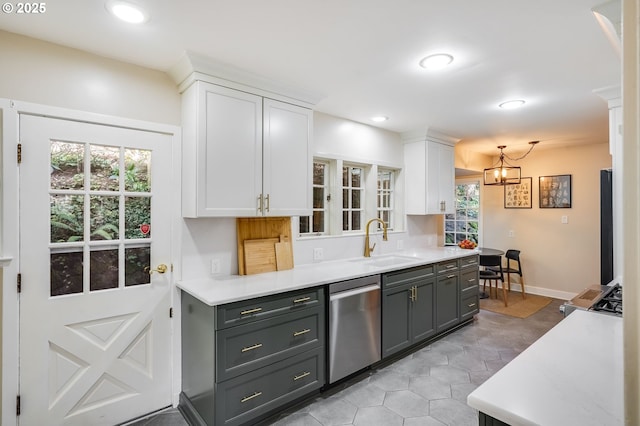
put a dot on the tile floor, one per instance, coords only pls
(428, 387)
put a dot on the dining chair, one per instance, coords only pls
(513, 256)
(493, 272)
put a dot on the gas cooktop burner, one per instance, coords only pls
(611, 302)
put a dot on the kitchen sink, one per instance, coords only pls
(387, 260)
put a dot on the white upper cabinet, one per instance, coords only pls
(429, 177)
(244, 155)
(288, 160)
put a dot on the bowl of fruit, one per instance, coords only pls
(467, 244)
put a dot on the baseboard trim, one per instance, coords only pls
(541, 291)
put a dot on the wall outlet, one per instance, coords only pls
(215, 265)
(400, 244)
(564, 219)
(318, 254)
(512, 233)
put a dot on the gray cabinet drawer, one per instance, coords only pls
(468, 279)
(469, 306)
(447, 266)
(244, 398)
(265, 307)
(469, 261)
(392, 279)
(247, 347)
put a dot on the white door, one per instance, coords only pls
(95, 330)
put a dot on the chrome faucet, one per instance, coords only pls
(367, 249)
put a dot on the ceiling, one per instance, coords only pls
(361, 57)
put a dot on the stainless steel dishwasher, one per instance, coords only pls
(354, 326)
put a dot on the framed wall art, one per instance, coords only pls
(518, 196)
(555, 192)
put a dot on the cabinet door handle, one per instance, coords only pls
(415, 292)
(268, 203)
(301, 376)
(250, 311)
(301, 332)
(302, 300)
(471, 305)
(450, 276)
(411, 294)
(250, 397)
(260, 204)
(250, 348)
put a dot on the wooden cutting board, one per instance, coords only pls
(256, 228)
(260, 255)
(284, 254)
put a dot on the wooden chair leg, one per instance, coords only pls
(522, 286)
(504, 292)
(509, 280)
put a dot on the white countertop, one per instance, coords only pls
(573, 375)
(219, 290)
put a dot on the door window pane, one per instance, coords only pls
(137, 174)
(66, 218)
(137, 261)
(103, 269)
(137, 217)
(66, 272)
(67, 165)
(104, 220)
(105, 162)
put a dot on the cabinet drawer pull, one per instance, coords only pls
(301, 376)
(450, 276)
(250, 348)
(471, 280)
(302, 300)
(250, 397)
(471, 305)
(451, 265)
(300, 333)
(250, 311)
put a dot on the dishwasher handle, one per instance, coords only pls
(353, 292)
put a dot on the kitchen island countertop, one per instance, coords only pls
(226, 289)
(573, 375)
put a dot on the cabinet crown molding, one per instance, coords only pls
(429, 135)
(193, 67)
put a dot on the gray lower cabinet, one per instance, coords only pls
(407, 308)
(469, 296)
(447, 295)
(244, 360)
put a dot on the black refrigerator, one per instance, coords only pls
(606, 227)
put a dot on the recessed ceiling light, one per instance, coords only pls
(436, 61)
(379, 118)
(127, 12)
(517, 103)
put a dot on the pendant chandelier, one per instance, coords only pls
(503, 173)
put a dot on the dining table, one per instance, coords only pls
(486, 251)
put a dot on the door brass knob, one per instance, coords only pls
(162, 268)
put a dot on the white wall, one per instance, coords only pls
(559, 260)
(49, 74)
